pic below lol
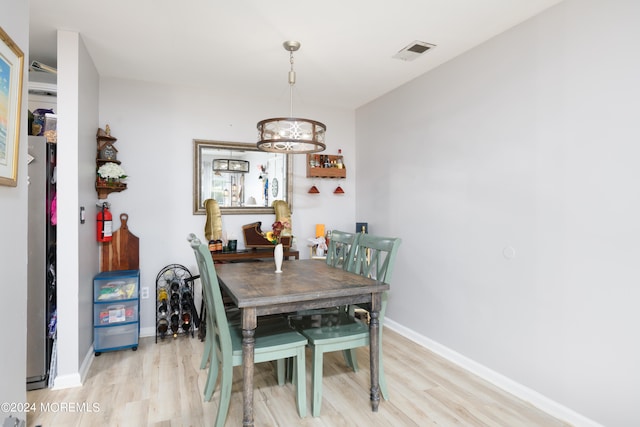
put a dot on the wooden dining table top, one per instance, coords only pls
(302, 284)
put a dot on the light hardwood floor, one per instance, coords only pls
(161, 385)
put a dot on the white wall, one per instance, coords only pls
(526, 145)
(155, 126)
(77, 250)
(14, 21)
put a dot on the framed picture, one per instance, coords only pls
(11, 71)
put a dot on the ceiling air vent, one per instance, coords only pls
(413, 50)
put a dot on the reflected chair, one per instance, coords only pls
(274, 341)
(373, 257)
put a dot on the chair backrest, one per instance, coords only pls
(341, 248)
(216, 316)
(375, 257)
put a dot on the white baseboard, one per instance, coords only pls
(536, 399)
(86, 364)
(147, 332)
(67, 381)
(76, 379)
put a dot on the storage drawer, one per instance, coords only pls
(113, 312)
(115, 285)
(114, 337)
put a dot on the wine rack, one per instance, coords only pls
(175, 310)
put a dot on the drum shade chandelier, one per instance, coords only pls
(291, 135)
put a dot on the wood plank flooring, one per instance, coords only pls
(161, 385)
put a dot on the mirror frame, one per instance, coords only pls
(200, 144)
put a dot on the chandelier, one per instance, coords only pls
(291, 135)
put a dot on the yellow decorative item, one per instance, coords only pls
(213, 226)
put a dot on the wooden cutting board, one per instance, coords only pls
(122, 252)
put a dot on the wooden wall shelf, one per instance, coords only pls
(315, 167)
(105, 189)
(101, 162)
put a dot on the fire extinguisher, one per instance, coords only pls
(105, 226)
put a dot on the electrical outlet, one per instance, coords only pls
(145, 293)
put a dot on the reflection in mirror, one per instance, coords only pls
(240, 178)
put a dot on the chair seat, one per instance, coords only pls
(332, 328)
(271, 337)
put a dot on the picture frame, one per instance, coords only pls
(11, 73)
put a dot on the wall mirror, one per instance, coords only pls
(242, 179)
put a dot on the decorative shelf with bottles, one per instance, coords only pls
(175, 310)
(107, 153)
(326, 166)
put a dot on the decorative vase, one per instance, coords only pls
(278, 255)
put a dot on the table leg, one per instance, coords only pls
(374, 354)
(249, 322)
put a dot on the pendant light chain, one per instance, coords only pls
(291, 135)
(292, 82)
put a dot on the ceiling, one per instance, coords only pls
(347, 47)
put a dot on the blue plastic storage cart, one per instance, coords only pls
(116, 310)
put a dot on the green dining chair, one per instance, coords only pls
(274, 341)
(341, 249)
(373, 257)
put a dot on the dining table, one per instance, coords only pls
(257, 290)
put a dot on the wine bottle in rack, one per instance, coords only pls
(186, 321)
(175, 295)
(163, 309)
(175, 285)
(175, 308)
(162, 294)
(175, 302)
(186, 307)
(163, 327)
(175, 324)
